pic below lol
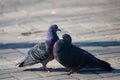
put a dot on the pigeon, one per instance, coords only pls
(42, 52)
(75, 58)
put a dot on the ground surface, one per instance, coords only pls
(93, 24)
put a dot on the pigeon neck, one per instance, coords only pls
(67, 42)
(51, 35)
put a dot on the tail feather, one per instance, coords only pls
(95, 62)
(106, 66)
(28, 60)
(20, 64)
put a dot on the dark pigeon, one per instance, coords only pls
(42, 52)
(75, 58)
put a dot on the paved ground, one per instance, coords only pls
(93, 24)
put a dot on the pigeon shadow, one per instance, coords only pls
(81, 71)
(41, 69)
(97, 71)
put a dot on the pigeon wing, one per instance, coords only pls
(35, 55)
(38, 52)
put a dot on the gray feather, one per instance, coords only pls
(35, 55)
(42, 52)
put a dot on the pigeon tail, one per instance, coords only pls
(106, 66)
(20, 64)
(103, 64)
(27, 61)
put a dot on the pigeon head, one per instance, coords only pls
(51, 33)
(52, 36)
(54, 28)
(67, 38)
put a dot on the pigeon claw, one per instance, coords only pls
(70, 72)
(48, 69)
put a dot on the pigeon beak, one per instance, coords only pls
(58, 29)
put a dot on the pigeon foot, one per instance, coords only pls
(70, 72)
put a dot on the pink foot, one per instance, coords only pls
(70, 72)
(48, 69)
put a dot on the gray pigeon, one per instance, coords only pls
(42, 52)
(75, 58)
